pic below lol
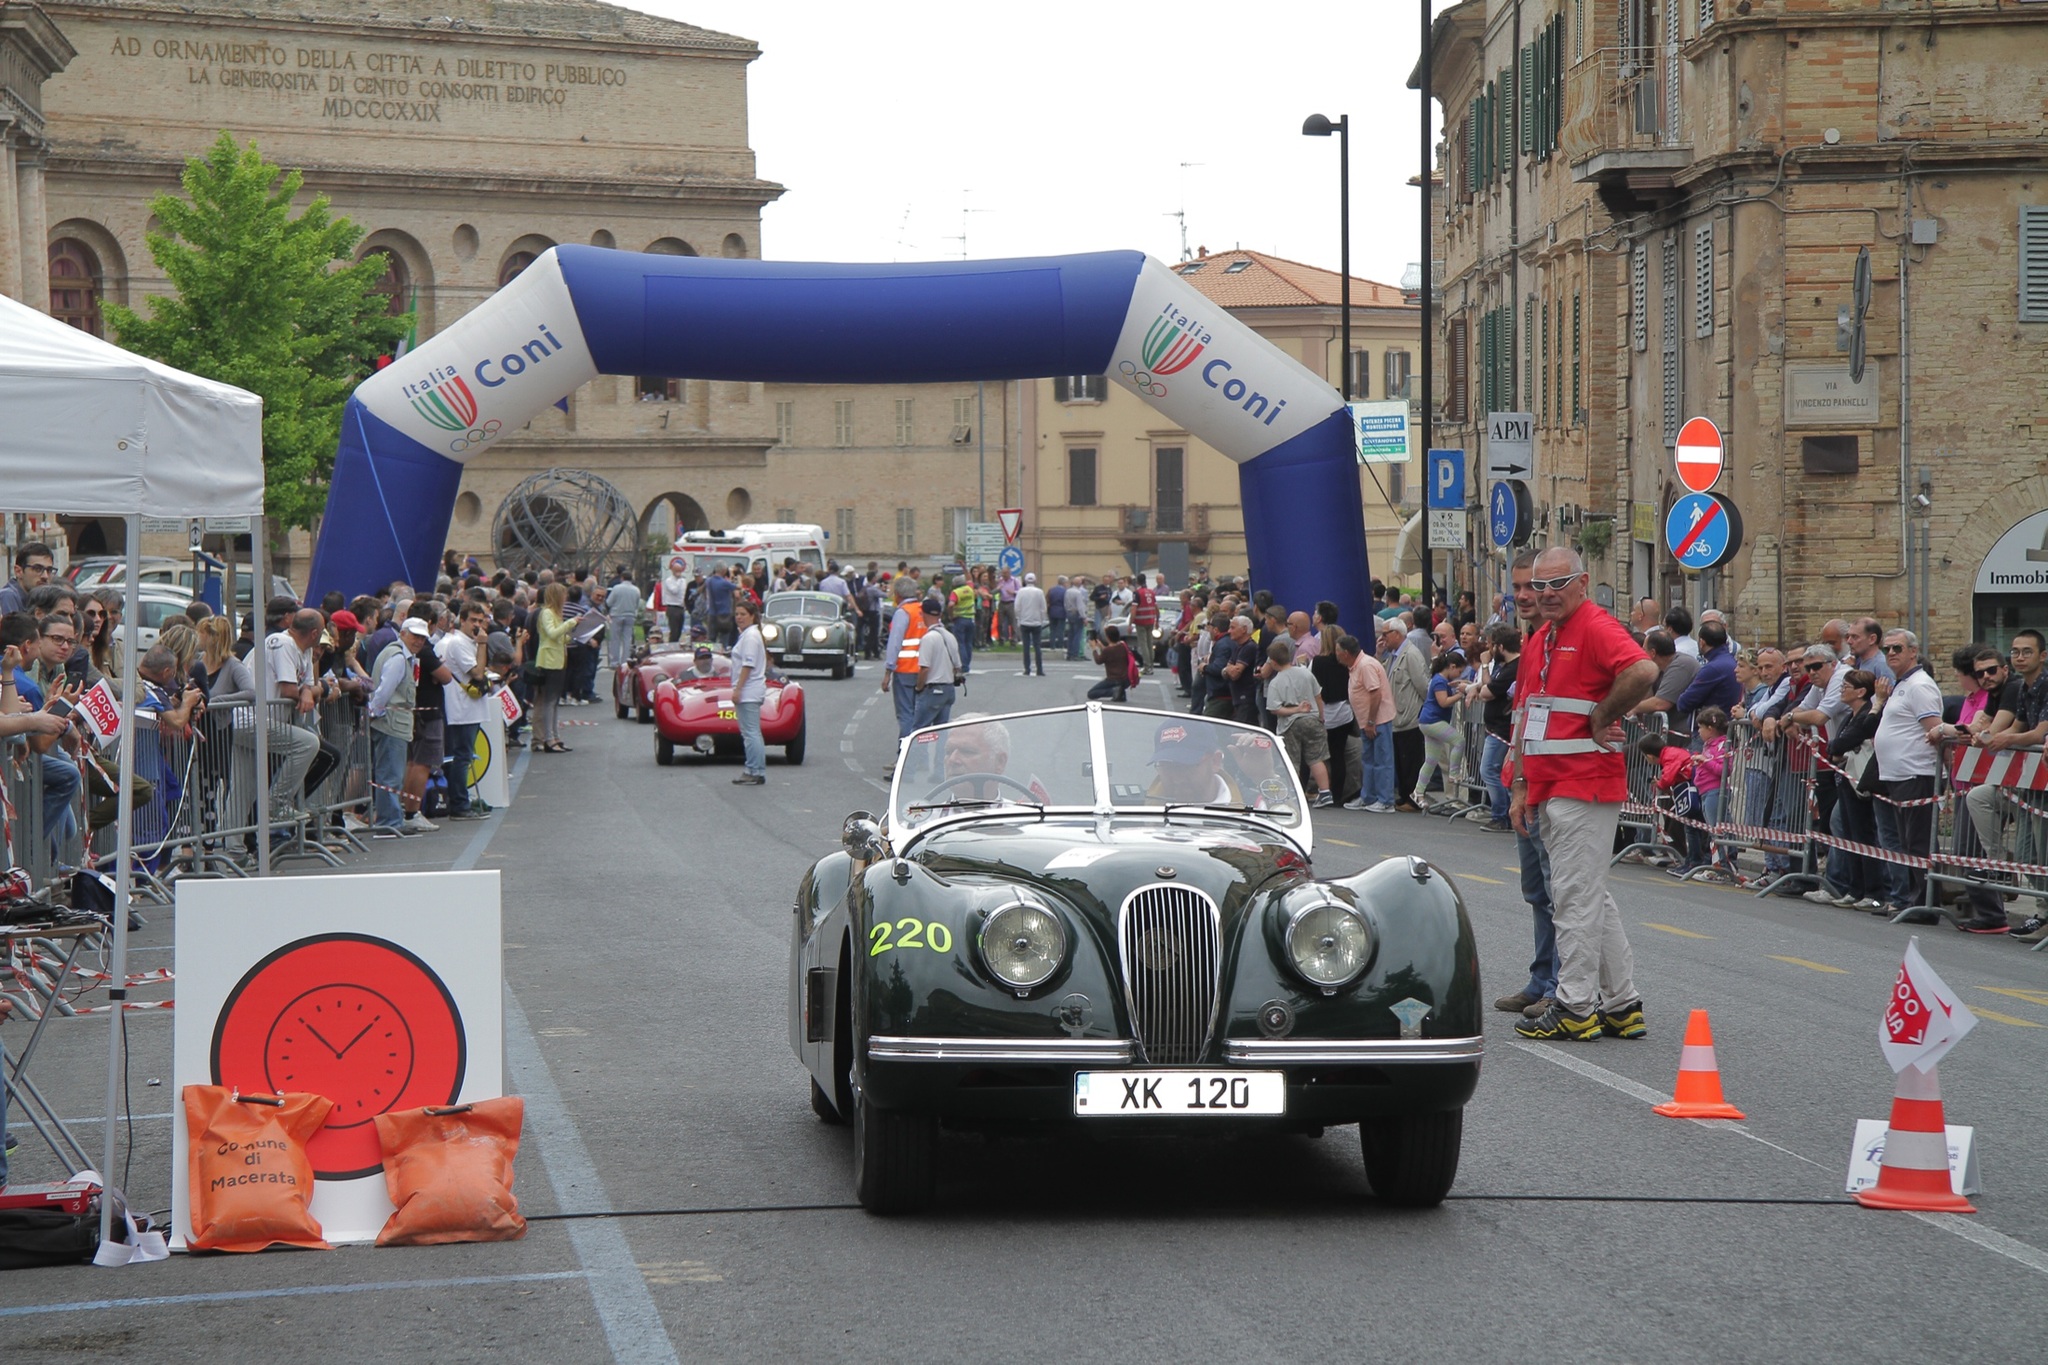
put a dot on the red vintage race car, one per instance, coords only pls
(633, 685)
(697, 713)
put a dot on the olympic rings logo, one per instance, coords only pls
(1141, 380)
(475, 436)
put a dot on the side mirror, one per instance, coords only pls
(861, 836)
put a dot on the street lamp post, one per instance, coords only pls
(1428, 291)
(1318, 126)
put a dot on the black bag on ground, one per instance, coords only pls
(34, 1237)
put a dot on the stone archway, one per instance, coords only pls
(666, 516)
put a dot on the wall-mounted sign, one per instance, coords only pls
(2018, 562)
(1820, 393)
(1382, 430)
(1642, 522)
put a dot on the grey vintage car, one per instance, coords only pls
(1107, 918)
(809, 630)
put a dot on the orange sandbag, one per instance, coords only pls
(449, 1172)
(252, 1186)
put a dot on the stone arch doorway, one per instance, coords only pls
(663, 519)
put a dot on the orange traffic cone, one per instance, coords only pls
(1699, 1077)
(1915, 1170)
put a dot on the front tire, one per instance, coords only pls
(793, 752)
(645, 715)
(841, 670)
(620, 708)
(895, 1159)
(1411, 1159)
(664, 750)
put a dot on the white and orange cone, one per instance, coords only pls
(1698, 1092)
(1915, 1170)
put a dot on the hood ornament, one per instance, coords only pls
(1165, 873)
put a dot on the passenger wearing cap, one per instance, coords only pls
(1034, 613)
(1187, 765)
(938, 672)
(707, 664)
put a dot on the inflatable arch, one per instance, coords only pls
(578, 312)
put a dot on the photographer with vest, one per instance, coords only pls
(1580, 674)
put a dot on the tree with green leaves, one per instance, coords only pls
(267, 300)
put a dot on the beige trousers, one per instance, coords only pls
(1595, 967)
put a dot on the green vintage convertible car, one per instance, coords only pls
(1108, 917)
(809, 630)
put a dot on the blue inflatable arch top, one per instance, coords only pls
(579, 312)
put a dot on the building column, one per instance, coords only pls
(10, 224)
(35, 228)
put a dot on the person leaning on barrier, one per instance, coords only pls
(1853, 880)
(390, 711)
(2017, 719)
(1675, 672)
(288, 652)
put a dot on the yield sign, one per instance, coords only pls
(1011, 519)
(1699, 454)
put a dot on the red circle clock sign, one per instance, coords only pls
(355, 1018)
(1699, 455)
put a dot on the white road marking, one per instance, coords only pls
(1989, 1238)
(239, 1295)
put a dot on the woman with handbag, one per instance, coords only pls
(1852, 880)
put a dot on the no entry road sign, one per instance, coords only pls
(1699, 454)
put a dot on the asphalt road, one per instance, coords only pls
(646, 926)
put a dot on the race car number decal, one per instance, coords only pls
(909, 933)
(728, 713)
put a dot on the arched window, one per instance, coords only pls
(515, 263)
(396, 286)
(75, 285)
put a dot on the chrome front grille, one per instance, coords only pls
(1167, 937)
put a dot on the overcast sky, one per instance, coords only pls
(1064, 126)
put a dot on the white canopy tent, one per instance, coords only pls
(89, 429)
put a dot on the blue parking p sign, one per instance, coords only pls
(1446, 478)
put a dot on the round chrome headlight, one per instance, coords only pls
(771, 632)
(818, 633)
(1023, 944)
(1329, 943)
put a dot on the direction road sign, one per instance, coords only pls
(1702, 530)
(1508, 513)
(1011, 519)
(1510, 445)
(1382, 431)
(1011, 560)
(1447, 479)
(1699, 454)
(983, 541)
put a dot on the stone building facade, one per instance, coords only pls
(1108, 477)
(1822, 224)
(466, 137)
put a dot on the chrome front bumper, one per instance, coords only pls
(1120, 1052)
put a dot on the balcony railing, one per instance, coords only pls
(1622, 99)
(1170, 523)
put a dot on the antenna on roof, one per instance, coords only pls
(964, 211)
(1182, 212)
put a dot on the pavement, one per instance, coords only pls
(711, 1217)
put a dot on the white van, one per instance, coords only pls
(749, 547)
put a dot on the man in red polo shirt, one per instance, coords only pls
(1579, 676)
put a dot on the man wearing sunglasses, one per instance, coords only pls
(1820, 707)
(2017, 718)
(1579, 676)
(1907, 732)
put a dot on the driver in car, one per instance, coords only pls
(1188, 767)
(705, 664)
(976, 764)
(1254, 763)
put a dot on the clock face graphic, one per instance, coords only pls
(355, 1018)
(480, 761)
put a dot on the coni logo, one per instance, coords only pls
(443, 398)
(1172, 343)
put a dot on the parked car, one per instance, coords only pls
(809, 630)
(695, 713)
(1106, 919)
(158, 604)
(159, 571)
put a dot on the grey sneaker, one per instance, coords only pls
(1356, 803)
(1380, 808)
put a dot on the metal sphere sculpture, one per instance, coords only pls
(563, 519)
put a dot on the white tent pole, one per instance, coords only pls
(259, 665)
(124, 859)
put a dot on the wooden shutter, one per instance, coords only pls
(1461, 372)
(2034, 263)
(1526, 88)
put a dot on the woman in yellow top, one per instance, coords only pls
(551, 630)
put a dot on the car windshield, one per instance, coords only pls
(782, 605)
(1159, 760)
(1146, 760)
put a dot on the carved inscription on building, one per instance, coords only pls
(419, 85)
